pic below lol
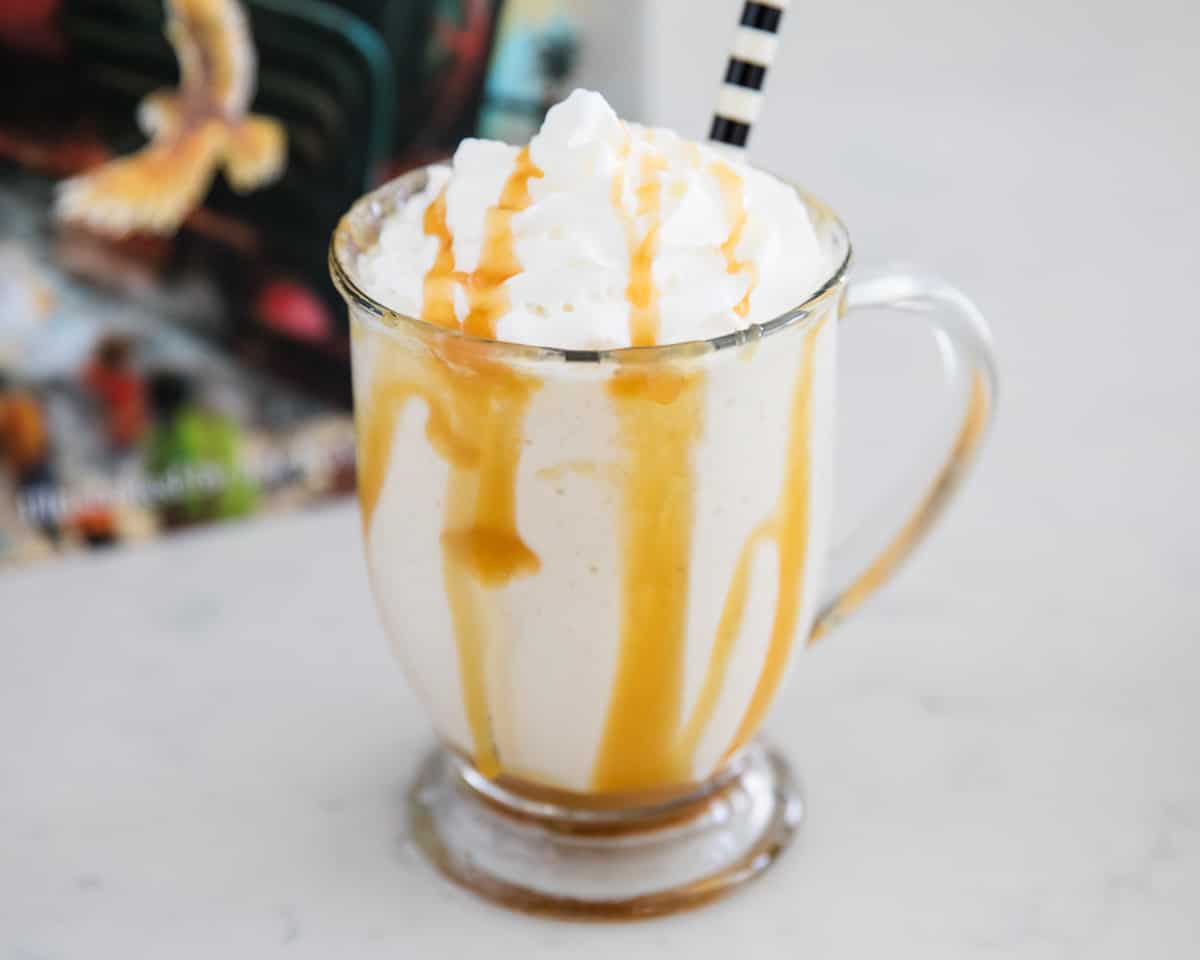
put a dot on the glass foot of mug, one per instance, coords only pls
(535, 852)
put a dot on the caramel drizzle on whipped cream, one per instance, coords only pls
(641, 293)
(734, 194)
(437, 304)
(475, 422)
(498, 261)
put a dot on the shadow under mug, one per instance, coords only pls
(596, 567)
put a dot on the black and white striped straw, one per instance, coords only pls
(742, 92)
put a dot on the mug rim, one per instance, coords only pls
(394, 321)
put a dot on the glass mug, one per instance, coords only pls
(596, 566)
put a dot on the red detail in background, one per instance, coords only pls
(26, 13)
(121, 395)
(293, 310)
(468, 47)
(28, 25)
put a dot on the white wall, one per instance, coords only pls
(1041, 153)
(613, 58)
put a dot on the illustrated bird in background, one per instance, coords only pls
(193, 130)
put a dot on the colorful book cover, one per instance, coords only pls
(172, 352)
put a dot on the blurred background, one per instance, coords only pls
(1002, 743)
(193, 366)
(161, 378)
(1039, 154)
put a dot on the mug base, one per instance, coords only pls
(605, 862)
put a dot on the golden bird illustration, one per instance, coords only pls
(193, 130)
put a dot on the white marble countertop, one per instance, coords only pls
(205, 744)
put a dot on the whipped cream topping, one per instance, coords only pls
(599, 234)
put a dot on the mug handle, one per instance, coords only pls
(969, 369)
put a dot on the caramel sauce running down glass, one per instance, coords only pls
(597, 566)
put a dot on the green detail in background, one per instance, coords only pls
(193, 446)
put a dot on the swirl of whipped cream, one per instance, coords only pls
(599, 234)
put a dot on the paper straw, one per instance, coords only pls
(752, 54)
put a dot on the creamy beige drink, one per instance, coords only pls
(595, 563)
